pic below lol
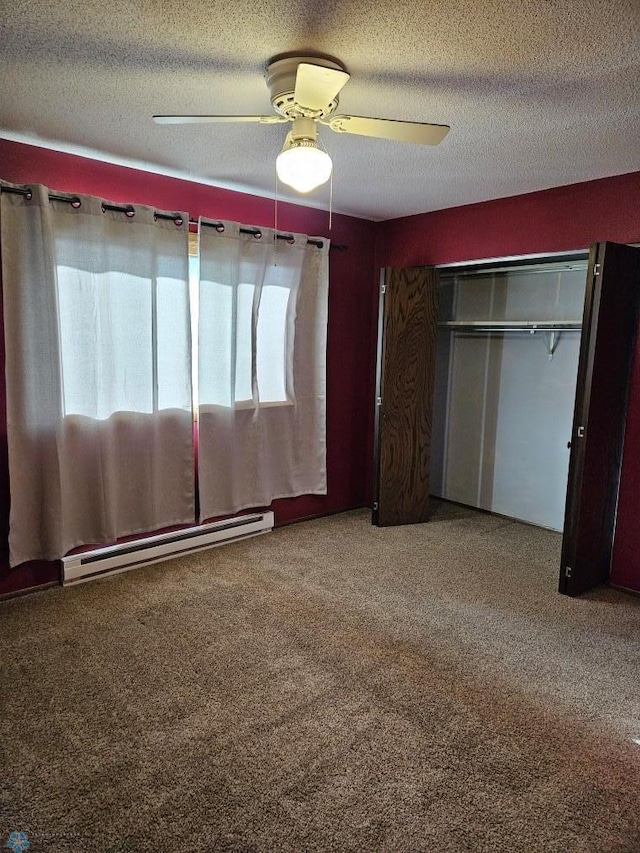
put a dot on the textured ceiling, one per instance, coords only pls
(538, 93)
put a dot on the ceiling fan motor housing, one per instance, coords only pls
(281, 82)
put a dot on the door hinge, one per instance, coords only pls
(383, 289)
(375, 504)
(568, 571)
(580, 432)
(378, 401)
(596, 270)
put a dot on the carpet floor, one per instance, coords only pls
(331, 686)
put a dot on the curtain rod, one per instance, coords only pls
(129, 210)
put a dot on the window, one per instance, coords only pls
(260, 308)
(124, 335)
(271, 339)
(132, 372)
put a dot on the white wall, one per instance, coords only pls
(503, 408)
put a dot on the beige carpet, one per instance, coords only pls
(331, 686)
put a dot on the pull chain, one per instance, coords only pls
(275, 223)
(330, 198)
(322, 148)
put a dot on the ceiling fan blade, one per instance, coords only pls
(317, 86)
(215, 119)
(385, 128)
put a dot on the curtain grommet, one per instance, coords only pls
(128, 210)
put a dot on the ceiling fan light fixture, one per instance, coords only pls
(305, 91)
(303, 166)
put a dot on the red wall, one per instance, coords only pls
(555, 220)
(350, 376)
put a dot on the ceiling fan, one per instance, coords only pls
(304, 91)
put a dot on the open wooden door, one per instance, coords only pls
(612, 301)
(407, 327)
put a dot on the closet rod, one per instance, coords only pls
(512, 326)
(129, 210)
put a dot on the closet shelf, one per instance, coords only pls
(530, 326)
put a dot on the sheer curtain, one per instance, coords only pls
(262, 352)
(98, 370)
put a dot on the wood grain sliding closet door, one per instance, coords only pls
(407, 326)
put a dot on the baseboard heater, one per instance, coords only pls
(164, 546)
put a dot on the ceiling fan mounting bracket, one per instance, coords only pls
(281, 82)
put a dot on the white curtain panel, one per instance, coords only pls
(262, 368)
(98, 370)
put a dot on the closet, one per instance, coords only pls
(507, 352)
(506, 386)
